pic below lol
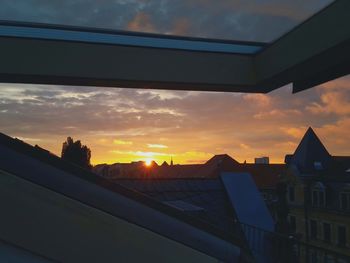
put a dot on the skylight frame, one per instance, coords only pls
(305, 57)
(231, 21)
(43, 31)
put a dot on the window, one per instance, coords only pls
(318, 166)
(318, 195)
(313, 256)
(345, 200)
(291, 193)
(313, 229)
(292, 224)
(318, 198)
(341, 236)
(326, 232)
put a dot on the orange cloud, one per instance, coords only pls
(261, 100)
(335, 98)
(181, 27)
(194, 125)
(141, 22)
(121, 142)
(336, 136)
(160, 146)
(295, 132)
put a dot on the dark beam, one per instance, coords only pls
(314, 52)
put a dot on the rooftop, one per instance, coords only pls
(49, 171)
(264, 175)
(312, 158)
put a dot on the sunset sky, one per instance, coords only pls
(123, 125)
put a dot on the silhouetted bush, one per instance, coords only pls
(76, 153)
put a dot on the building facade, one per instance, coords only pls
(318, 196)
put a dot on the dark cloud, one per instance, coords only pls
(258, 20)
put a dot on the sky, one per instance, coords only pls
(123, 125)
(252, 20)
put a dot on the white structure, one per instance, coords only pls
(262, 160)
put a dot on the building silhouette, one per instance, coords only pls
(319, 197)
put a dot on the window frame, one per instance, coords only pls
(339, 244)
(293, 226)
(311, 229)
(291, 193)
(318, 195)
(324, 232)
(347, 194)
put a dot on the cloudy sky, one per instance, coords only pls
(121, 125)
(254, 20)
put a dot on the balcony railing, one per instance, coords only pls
(269, 247)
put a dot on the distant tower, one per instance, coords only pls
(171, 161)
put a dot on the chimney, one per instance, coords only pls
(262, 160)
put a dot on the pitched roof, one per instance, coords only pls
(309, 152)
(264, 175)
(175, 171)
(217, 164)
(54, 173)
(211, 199)
(164, 163)
(220, 159)
(207, 194)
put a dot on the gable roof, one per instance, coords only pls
(165, 164)
(310, 151)
(220, 159)
(217, 164)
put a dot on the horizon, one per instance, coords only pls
(124, 125)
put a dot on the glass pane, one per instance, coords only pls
(313, 229)
(315, 198)
(249, 20)
(341, 235)
(322, 195)
(326, 232)
(344, 201)
(125, 39)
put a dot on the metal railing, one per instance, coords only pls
(270, 247)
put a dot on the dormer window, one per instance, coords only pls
(318, 166)
(319, 195)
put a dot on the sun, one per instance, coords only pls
(148, 162)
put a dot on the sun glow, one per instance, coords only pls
(148, 162)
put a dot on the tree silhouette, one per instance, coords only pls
(76, 153)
